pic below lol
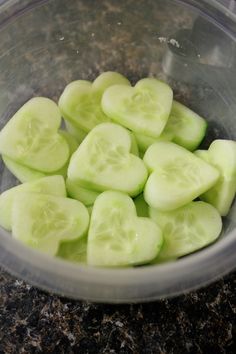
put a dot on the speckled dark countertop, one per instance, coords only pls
(32, 321)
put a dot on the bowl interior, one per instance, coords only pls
(47, 44)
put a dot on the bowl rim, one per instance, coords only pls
(181, 274)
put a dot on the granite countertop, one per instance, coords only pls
(32, 321)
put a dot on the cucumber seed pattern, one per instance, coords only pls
(36, 137)
(50, 220)
(105, 156)
(144, 102)
(182, 173)
(115, 234)
(184, 235)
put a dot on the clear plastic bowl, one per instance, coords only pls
(190, 44)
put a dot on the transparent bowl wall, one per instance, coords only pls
(190, 44)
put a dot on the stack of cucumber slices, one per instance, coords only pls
(124, 184)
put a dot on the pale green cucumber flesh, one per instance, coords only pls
(81, 107)
(145, 141)
(31, 138)
(222, 155)
(44, 221)
(78, 133)
(54, 185)
(143, 109)
(45, 159)
(177, 176)
(80, 103)
(22, 173)
(221, 196)
(103, 161)
(203, 154)
(187, 229)
(75, 191)
(187, 127)
(117, 237)
(70, 139)
(107, 79)
(27, 174)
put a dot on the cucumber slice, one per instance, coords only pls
(74, 251)
(144, 108)
(77, 133)
(187, 127)
(145, 141)
(54, 185)
(103, 161)
(27, 174)
(134, 146)
(80, 103)
(31, 138)
(184, 127)
(187, 229)
(141, 206)
(42, 221)
(22, 173)
(117, 237)
(107, 79)
(73, 145)
(81, 107)
(203, 154)
(177, 176)
(75, 191)
(71, 141)
(222, 155)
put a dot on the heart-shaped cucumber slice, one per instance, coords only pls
(222, 155)
(104, 161)
(80, 102)
(187, 229)
(27, 174)
(43, 221)
(31, 136)
(144, 108)
(117, 237)
(177, 176)
(54, 185)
